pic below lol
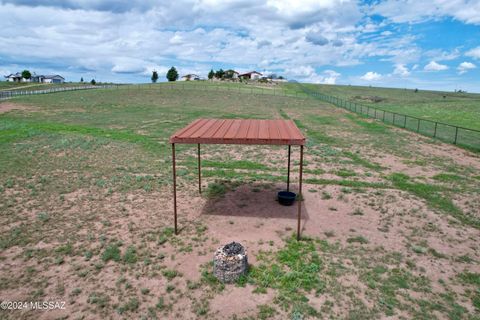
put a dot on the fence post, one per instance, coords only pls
(394, 118)
(456, 135)
(404, 121)
(435, 130)
(418, 126)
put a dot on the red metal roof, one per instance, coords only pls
(240, 131)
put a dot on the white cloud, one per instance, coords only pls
(401, 70)
(441, 55)
(128, 39)
(308, 74)
(474, 53)
(371, 76)
(414, 11)
(465, 67)
(330, 77)
(434, 66)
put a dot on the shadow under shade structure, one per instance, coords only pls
(239, 131)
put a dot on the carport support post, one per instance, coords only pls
(288, 169)
(300, 194)
(199, 171)
(174, 188)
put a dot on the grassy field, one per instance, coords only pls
(29, 86)
(391, 228)
(461, 109)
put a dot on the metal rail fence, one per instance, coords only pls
(15, 93)
(465, 137)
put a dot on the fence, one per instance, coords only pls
(15, 93)
(468, 138)
(465, 137)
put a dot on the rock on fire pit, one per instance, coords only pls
(230, 262)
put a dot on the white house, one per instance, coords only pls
(17, 77)
(252, 75)
(190, 77)
(53, 79)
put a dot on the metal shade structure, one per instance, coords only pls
(239, 131)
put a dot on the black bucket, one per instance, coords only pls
(286, 198)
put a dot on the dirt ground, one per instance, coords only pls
(381, 248)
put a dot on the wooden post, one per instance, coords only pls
(174, 189)
(299, 217)
(288, 168)
(199, 172)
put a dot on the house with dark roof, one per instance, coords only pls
(17, 77)
(55, 78)
(190, 77)
(252, 75)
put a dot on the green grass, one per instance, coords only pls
(216, 190)
(470, 278)
(112, 252)
(293, 271)
(84, 162)
(435, 197)
(130, 255)
(461, 109)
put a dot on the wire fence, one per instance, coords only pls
(15, 93)
(465, 137)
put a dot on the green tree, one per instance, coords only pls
(26, 74)
(172, 74)
(219, 74)
(81, 79)
(211, 74)
(154, 76)
(93, 82)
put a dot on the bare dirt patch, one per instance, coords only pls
(8, 106)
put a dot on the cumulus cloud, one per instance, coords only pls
(435, 66)
(401, 70)
(474, 53)
(465, 67)
(414, 11)
(309, 74)
(330, 76)
(371, 76)
(89, 37)
(130, 38)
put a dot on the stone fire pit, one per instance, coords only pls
(230, 262)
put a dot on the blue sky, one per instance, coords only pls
(431, 44)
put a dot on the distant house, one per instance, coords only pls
(252, 75)
(17, 77)
(231, 74)
(190, 77)
(53, 79)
